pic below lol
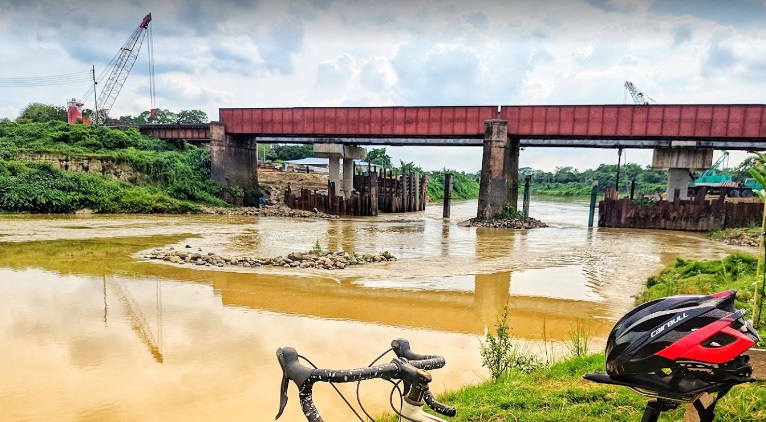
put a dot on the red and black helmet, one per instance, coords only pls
(680, 346)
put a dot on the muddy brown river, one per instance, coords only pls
(93, 331)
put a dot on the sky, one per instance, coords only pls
(294, 53)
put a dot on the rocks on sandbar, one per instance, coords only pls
(310, 259)
(266, 211)
(507, 223)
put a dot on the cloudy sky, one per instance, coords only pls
(268, 53)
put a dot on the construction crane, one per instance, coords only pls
(638, 96)
(119, 69)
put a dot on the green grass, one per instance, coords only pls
(559, 393)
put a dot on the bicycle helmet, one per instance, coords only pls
(680, 346)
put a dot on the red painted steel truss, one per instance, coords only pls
(190, 132)
(688, 121)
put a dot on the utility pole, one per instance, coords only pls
(95, 101)
(617, 183)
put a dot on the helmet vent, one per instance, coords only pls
(683, 305)
(719, 340)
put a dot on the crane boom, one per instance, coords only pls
(638, 96)
(120, 71)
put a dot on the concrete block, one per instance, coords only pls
(682, 158)
(328, 150)
(354, 152)
(339, 150)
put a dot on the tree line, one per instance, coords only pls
(42, 113)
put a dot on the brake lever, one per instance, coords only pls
(283, 395)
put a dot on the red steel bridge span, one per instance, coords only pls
(721, 126)
(682, 135)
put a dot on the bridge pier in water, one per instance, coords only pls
(499, 181)
(234, 162)
(334, 153)
(679, 162)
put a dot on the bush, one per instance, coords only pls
(170, 176)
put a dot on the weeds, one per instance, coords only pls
(317, 248)
(509, 212)
(578, 341)
(499, 354)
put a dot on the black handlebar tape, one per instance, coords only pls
(307, 404)
(386, 371)
(427, 364)
(441, 408)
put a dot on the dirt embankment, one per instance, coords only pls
(274, 182)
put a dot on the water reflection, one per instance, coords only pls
(95, 332)
(135, 315)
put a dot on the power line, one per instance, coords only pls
(61, 79)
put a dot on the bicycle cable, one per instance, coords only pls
(336, 390)
(391, 401)
(359, 383)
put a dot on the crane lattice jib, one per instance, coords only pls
(121, 70)
(638, 96)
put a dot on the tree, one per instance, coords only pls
(164, 116)
(266, 152)
(566, 174)
(758, 171)
(742, 171)
(192, 116)
(41, 113)
(378, 156)
(293, 152)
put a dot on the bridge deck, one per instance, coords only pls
(724, 126)
(589, 121)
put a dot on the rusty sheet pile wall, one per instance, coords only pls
(373, 193)
(695, 214)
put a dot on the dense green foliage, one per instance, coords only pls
(169, 177)
(285, 152)
(163, 116)
(41, 113)
(464, 186)
(737, 271)
(380, 157)
(567, 181)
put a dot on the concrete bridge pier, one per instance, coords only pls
(334, 153)
(234, 163)
(499, 181)
(679, 162)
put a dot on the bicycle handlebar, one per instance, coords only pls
(405, 367)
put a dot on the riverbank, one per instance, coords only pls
(277, 210)
(559, 392)
(745, 236)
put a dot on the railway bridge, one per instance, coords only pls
(682, 136)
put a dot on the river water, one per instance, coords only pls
(93, 331)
